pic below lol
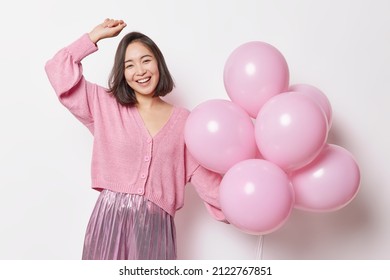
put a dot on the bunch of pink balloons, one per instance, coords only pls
(270, 144)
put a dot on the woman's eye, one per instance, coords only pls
(129, 66)
(146, 60)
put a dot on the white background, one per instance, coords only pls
(341, 47)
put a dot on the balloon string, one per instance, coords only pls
(259, 252)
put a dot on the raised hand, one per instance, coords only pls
(109, 28)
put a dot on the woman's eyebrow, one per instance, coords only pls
(146, 55)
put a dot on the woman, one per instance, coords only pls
(140, 163)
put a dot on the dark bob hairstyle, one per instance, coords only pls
(117, 84)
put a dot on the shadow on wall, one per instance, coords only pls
(317, 235)
(310, 235)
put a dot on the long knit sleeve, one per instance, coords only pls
(65, 74)
(206, 184)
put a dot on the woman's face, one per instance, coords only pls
(141, 69)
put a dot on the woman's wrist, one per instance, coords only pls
(94, 38)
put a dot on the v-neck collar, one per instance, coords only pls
(144, 129)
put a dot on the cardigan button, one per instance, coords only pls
(140, 191)
(146, 158)
(149, 140)
(143, 176)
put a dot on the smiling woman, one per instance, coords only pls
(140, 163)
(143, 61)
(141, 69)
(141, 73)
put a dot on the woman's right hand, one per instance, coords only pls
(109, 28)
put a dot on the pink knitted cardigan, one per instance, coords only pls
(125, 157)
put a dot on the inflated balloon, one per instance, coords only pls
(253, 73)
(318, 96)
(329, 183)
(256, 196)
(219, 134)
(291, 130)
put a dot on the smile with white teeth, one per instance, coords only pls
(142, 81)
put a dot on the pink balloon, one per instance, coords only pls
(254, 72)
(290, 130)
(318, 96)
(256, 196)
(219, 134)
(329, 183)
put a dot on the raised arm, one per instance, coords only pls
(65, 72)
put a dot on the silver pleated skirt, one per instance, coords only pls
(129, 227)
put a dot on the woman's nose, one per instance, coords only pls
(140, 70)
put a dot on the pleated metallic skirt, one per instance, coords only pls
(129, 227)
